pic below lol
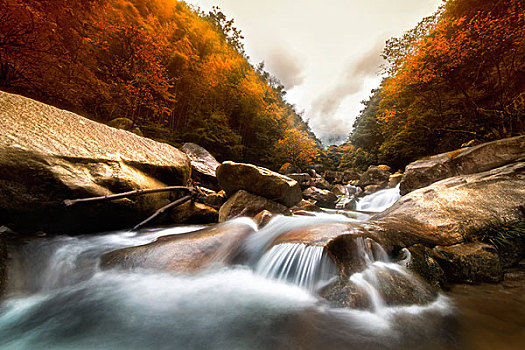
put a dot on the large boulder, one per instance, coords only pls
(233, 177)
(203, 165)
(243, 203)
(48, 155)
(323, 198)
(374, 176)
(185, 253)
(464, 161)
(454, 210)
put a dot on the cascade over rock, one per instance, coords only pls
(447, 213)
(184, 253)
(48, 155)
(260, 181)
(463, 161)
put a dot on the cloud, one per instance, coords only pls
(326, 105)
(285, 67)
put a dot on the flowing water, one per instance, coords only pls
(379, 201)
(59, 298)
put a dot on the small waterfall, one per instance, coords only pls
(347, 198)
(381, 276)
(379, 201)
(300, 264)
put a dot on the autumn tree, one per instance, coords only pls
(297, 148)
(457, 76)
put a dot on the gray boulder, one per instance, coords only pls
(203, 165)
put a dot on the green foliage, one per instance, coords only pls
(504, 234)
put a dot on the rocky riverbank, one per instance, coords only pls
(461, 219)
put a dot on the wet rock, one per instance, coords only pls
(343, 294)
(186, 253)
(260, 181)
(323, 198)
(48, 155)
(464, 161)
(243, 203)
(203, 165)
(374, 176)
(194, 213)
(398, 289)
(469, 262)
(422, 263)
(263, 218)
(394, 288)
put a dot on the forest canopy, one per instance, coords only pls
(459, 75)
(178, 73)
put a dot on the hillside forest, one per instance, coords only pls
(181, 75)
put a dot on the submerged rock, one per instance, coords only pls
(186, 253)
(260, 181)
(463, 161)
(48, 155)
(203, 165)
(243, 203)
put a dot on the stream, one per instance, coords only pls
(59, 298)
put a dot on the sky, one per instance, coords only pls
(325, 52)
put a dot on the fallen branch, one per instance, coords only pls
(162, 210)
(70, 202)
